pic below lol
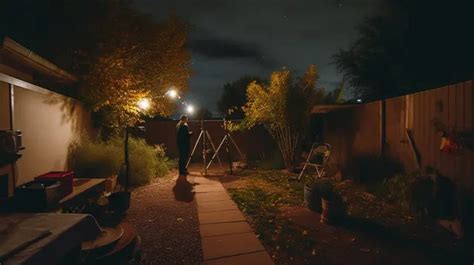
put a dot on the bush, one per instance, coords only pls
(409, 191)
(96, 158)
(146, 162)
(92, 158)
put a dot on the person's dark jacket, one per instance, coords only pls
(183, 138)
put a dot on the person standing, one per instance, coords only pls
(183, 141)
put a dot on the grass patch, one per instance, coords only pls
(277, 233)
(261, 194)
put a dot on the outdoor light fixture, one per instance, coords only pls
(190, 109)
(359, 100)
(172, 93)
(144, 104)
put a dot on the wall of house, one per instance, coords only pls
(49, 122)
(255, 144)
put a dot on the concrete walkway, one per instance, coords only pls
(226, 236)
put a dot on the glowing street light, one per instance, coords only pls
(144, 104)
(190, 109)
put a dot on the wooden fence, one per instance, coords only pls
(254, 144)
(381, 128)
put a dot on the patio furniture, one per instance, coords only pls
(317, 158)
(44, 238)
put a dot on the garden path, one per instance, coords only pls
(226, 237)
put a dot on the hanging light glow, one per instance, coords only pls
(190, 109)
(144, 104)
(172, 93)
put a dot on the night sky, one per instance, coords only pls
(229, 39)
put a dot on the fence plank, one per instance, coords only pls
(445, 163)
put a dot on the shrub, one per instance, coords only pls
(146, 162)
(92, 158)
(409, 191)
(96, 158)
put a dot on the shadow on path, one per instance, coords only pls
(183, 190)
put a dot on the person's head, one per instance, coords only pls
(183, 118)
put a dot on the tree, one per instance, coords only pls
(118, 54)
(234, 97)
(409, 46)
(283, 107)
(334, 97)
(142, 69)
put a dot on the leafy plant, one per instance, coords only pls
(283, 107)
(234, 97)
(143, 63)
(397, 189)
(98, 158)
(93, 158)
(278, 233)
(409, 191)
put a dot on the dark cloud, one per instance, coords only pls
(219, 48)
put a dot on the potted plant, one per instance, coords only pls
(312, 196)
(331, 204)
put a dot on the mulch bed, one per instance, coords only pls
(169, 228)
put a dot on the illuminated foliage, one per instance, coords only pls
(137, 69)
(283, 107)
(118, 54)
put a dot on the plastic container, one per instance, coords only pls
(65, 177)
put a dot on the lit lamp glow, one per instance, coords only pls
(172, 93)
(190, 109)
(144, 104)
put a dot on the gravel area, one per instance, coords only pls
(167, 224)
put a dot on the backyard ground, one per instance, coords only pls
(167, 222)
(374, 232)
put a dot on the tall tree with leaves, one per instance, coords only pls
(234, 97)
(143, 69)
(409, 46)
(118, 54)
(283, 106)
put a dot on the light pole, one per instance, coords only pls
(143, 105)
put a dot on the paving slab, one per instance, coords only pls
(220, 217)
(211, 196)
(230, 245)
(208, 188)
(202, 180)
(215, 206)
(220, 229)
(260, 258)
(226, 237)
